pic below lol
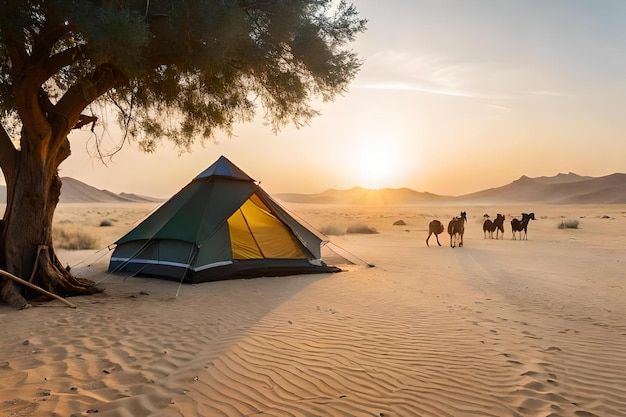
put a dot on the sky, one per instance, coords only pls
(454, 96)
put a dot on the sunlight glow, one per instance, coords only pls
(376, 163)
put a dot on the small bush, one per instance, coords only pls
(568, 224)
(73, 238)
(106, 223)
(332, 229)
(361, 228)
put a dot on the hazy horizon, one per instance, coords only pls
(538, 180)
(453, 97)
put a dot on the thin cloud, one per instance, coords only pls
(547, 93)
(499, 108)
(428, 90)
(427, 73)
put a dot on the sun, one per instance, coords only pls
(376, 163)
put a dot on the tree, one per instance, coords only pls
(176, 70)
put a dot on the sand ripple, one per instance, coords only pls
(428, 332)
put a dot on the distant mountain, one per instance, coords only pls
(364, 196)
(558, 178)
(74, 191)
(559, 189)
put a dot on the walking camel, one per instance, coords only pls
(456, 228)
(493, 226)
(435, 227)
(522, 225)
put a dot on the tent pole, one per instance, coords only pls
(252, 234)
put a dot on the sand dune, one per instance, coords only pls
(559, 189)
(75, 191)
(496, 328)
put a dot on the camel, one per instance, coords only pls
(435, 227)
(456, 227)
(519, 225)
(499, 223)
(488, 227)
(493, 226)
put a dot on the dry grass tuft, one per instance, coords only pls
(336, 230)
(361, 228)
(568, 224)
(333, 230)
(73, 238)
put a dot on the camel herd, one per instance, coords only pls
(493, 226)
(456, 228)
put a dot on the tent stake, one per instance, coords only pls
(35, 287)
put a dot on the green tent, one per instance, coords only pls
(222, 225)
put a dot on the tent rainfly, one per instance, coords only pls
(220, 226)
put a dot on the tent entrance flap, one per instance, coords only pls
(255, 233)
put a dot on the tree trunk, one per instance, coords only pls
(26, 240)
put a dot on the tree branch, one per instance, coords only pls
(83, 93)
(64, 58)
(8, 153)
(43, 40)
(83, 120)
(26, 90)
(18, 56)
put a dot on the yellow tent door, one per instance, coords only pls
(255, 233)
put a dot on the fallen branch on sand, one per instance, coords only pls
(35, 287)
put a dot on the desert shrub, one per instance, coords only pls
(73, 238)
(106, 223)
(568, 224)
(361, 228)
(332, 229)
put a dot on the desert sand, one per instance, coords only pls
(507, 327)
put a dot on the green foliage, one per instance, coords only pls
(175, 69)
(115, 36)
(568, 224)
